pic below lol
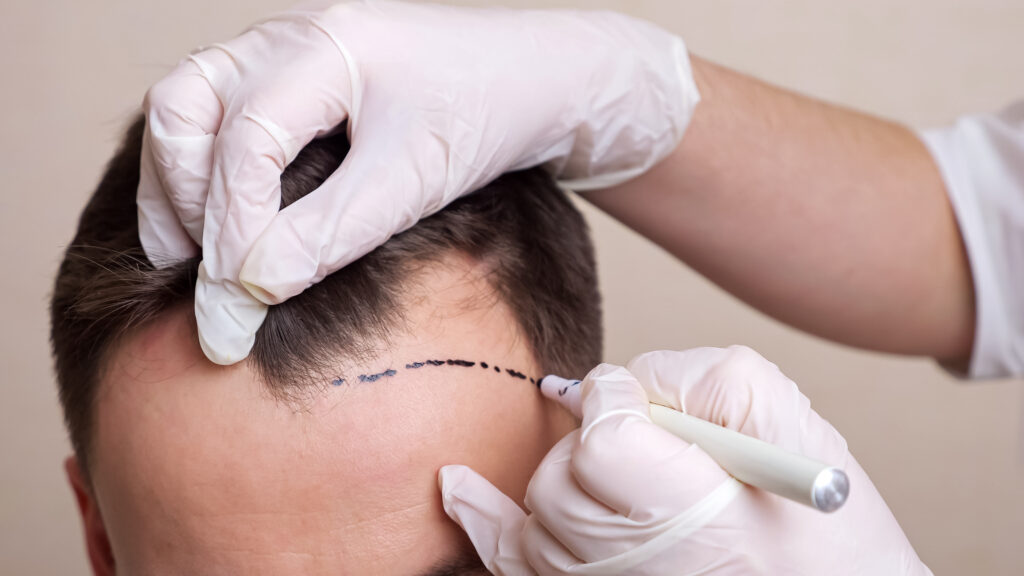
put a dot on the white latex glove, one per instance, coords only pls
(439, 101)
(622, 496)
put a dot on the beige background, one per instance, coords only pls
(947, 456)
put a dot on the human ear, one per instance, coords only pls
(96, 541)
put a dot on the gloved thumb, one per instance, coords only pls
(493, 522)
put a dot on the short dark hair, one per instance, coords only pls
(534, 245)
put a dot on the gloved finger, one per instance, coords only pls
(621, 472)
(558, 506)
(251, 151)
(737, 388)
(493, 522)
(630, 464)
(245, 193)
(567, 525)
(378, 191)
(667, 375)
(545, 554)
(227, 318)
(261, 134)
(183, 114)
(570, 531)
(161, 233)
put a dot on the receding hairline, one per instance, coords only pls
(521, 223)
(468, 271)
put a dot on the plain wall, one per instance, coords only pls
(946, 455)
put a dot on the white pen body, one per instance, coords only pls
(750, 460)
(758, 463)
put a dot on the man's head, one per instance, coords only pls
(319, 453)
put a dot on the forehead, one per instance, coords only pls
(198, 469)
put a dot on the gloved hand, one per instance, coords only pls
(439, 101)
(622, 496)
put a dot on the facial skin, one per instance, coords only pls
(196, 469)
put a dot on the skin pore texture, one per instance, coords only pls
(197, 469)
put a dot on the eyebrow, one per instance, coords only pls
(465, 562)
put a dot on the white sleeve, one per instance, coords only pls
(981, 159)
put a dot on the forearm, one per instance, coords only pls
(827, 219)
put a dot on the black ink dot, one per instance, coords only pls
(449, 362)
(375, 377)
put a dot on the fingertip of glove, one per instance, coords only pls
(227, 318)
(451, 480)
(609, 372)
(218, 352)
(448, 476)
(262, 294)
(278, 265)
(611, 388)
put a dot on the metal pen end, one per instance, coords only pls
(830, 490)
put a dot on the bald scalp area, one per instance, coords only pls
(198, 465)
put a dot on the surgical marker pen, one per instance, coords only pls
(748, 459)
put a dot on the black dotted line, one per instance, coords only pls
(449, 362)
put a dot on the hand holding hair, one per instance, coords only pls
(438, 101)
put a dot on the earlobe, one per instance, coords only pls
(97, 543)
